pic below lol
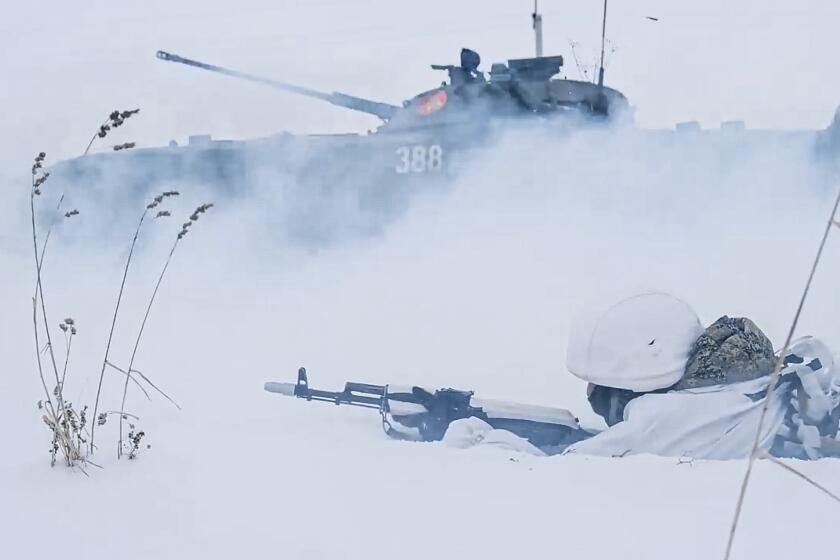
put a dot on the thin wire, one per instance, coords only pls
(774, 378)
(803, 476)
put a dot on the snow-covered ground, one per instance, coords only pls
(284, 480)
(475, 290)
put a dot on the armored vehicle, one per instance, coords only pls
(419, 146)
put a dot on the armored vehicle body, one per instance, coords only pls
(420, 145)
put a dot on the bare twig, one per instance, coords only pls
(40, 295)
(69, 340)
(67, 425)
(140, 335)
(114, 120)
(201, 209)
(155, 387)
(48, 235)
(803, 476)
(48, 402)
(774, 378)
(122, 371)
(113, 412)
(114, 322)
(93, 138)
(35, 191)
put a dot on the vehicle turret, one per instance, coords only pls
(521, 88)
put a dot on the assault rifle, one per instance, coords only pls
(415, 413)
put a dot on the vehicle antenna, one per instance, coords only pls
(581, 71)
(603, 41)
(536, 18)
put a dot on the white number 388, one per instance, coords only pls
(419, 159)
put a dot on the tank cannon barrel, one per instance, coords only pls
(382, 110)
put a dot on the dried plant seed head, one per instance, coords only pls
(63, 327)
(73, 332)
(69, 321)
(40, 180)
(163, 214)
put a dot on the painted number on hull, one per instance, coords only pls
(419, 159)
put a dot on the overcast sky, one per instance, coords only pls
(66, 65)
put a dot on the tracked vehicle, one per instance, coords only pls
(420, 145)
(420, 136)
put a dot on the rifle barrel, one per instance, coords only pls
(354, 394)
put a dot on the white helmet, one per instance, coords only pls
(641, 343)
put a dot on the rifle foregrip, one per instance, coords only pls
(287, 389)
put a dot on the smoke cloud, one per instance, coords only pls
(472, 285)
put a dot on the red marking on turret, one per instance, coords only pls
(431, 103)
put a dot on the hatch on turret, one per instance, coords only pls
(538, 69)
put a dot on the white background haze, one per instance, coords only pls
(474, 288)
